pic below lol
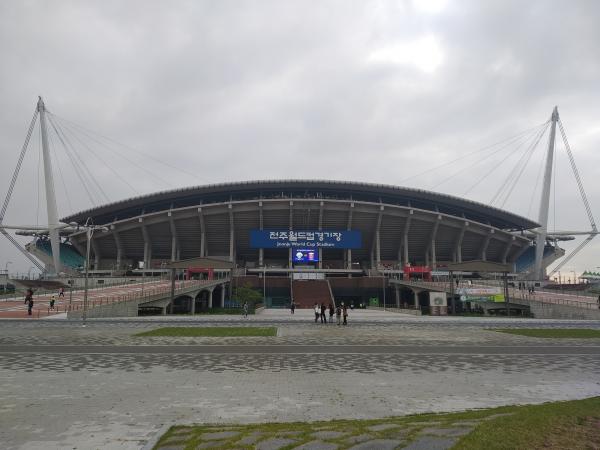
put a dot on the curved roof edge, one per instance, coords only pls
(436, 198)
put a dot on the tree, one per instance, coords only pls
(247, 294)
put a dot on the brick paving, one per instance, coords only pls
(55, 399)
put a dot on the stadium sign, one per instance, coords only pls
(305, 239)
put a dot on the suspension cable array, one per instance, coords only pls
(85, 149)
(9, 193)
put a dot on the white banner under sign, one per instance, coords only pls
(480, 291)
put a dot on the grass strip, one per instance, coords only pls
(210, 331)
(563, 333)
(559, 425)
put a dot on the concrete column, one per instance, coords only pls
(378, 249)
(458, 247)
(431, 246)
(261, 251)
(119, 248)
(202, 233)
(291, 228)
(223, 296)
(375, 245)
(484, 246)
(397, 292)
(174, 237)
(94, 245)
(400, 254)
(147, 247)
(349, 227)
(193, 305)
(507, 249)
(210, 298)
(231, 235)
(405, 236)
(416, 299)
(163, 310)
(320, 250)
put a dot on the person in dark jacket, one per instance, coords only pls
(323, 313)
(345, 314)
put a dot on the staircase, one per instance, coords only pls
(308, 292)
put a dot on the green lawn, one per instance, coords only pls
(560, 425)
(556, 426)
(210, 331)
(579, 333)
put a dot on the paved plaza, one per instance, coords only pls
(66, 386)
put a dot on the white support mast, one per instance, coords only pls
(539, 272)
(51, 208)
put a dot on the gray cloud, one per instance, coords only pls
(271, 89)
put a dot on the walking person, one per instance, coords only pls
(28, 296)
(317, 312)
(61, 293)
(323, 313)
(30, 306)
(293, 307)
(599, 302)
(331, 312)
(245, 309)
(52, 301)
(338, 314)
(345, 314)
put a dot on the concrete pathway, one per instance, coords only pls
(100, 387)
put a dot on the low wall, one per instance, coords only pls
(414, 312)
(116, 309)
(542, 310)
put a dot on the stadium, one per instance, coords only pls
(342, 236)
(300, 241)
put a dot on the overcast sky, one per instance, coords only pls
(372, 91)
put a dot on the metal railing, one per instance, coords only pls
(149, 293)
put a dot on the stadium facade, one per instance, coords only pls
(397, 226)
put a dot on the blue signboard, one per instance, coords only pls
(305, 239)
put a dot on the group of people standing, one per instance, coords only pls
(530, 287)
(340, 311)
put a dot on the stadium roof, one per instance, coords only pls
(304, 189)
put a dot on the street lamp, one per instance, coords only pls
(6, 268)
(89, 231)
